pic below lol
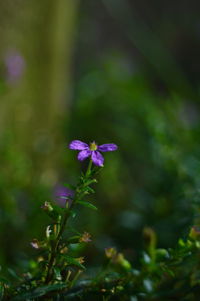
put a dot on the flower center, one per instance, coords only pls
(93, 146)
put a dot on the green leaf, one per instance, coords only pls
(73, 239)
(70, 186)
(13, 274)
(167, 270)
(4, 280)
(73, 213)
(53, 211)
(89, 182)
(39, 291)
(57, 273)
(87, 204)
(73, 261)
(58, 209)
(74, 230)
(90, 190)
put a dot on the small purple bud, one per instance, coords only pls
(63, 196)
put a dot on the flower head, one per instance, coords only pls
(92, 150)
(36, 244)
(80, 260)
(110, 252)
(86, 237)
(117, 258)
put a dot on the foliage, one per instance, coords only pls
(55, 274)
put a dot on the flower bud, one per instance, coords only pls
(51, 211)
(48, 231)
(149, 237)
(162, 254)
(35, 243)
(85, 237)
(80, 260)
(47, 207)
(64, 250)
(110, 252)
(123, 262)
(194, 233)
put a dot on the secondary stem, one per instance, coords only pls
(55, 248)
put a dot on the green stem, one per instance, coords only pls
(75, 278)
(87, 174)
(50, 266)
(55, 246)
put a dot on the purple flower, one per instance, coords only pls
(15, 66)
(63, 195)
(92, 150)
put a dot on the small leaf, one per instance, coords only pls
(53, 211)
(3, 280)
(73, 213)
(148, 285)
(57, 273)
(12, 273)
(73, 261)
(39, 291)
(58, 209)
(90, 190)
(87, 204)
(146, 258)
(181, 242)
(167, 270)
(89, 182)
(73, 239)
(70, 186)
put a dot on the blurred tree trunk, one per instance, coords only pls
(34, 108)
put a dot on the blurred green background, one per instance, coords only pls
(119, 71)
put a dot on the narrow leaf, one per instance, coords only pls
(39, 291)
(87, 204)
(70, 186)
(73, 261)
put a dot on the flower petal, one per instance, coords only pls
(97, 158)
(84, 154)
(78, 145)
(63, 192)
(110, 147)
